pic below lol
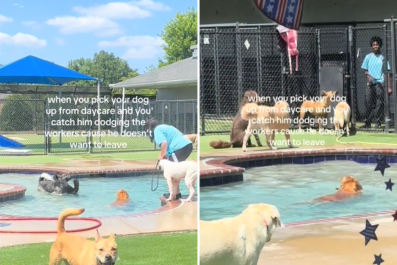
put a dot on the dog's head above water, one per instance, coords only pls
(350, 184)
(105, 250)
(122, 195)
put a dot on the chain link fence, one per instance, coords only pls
(44, 126)
(22, 122)
(234, 59)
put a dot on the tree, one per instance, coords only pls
(150, 68)
(129, 76)
(106, 66)
(179, 34)
(16, 114)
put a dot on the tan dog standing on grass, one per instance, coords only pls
(349, 186)
(238, 240)
(267, 120)
(174, 172)
(342, 115)
(317, 108)
(76, 250)
(193, 138)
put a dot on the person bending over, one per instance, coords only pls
(174, 145)
(373, 70)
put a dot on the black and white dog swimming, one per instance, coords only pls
(57, 184)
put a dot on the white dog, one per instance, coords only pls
(46, 176)
(238, 240)
(174, 172)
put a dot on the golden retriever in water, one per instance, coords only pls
(342, 114)
(76, 250)
(122, 198)
(238, 240)
(349, 186)
(267, 120)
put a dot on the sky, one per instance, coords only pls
(61, 31)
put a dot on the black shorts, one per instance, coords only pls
(181, 154)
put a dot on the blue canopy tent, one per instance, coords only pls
(33, 70)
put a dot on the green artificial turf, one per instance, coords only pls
(174, 248)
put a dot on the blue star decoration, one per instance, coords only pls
(4, 224)
(378, 259)
(381, 165)
(389, 185)
(369, 232)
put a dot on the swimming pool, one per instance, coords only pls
(95, 195)
(291, 187)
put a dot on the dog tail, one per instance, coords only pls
(250, 111)
(76, 186)
(220, 144)
(64, 214)
(347, 114)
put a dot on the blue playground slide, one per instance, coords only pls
(8, 143)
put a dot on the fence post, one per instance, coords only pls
(283, 70)
(195, 120)
(184, 116)
(352, 75)
(202, 123)
(216, 61)
(385, 70)
(177, 115)
(46, 135)
(393, 67)
(347, 74)
(201, 94)
(319, 58)
(90, 105)
(259, 61)
(239, 63)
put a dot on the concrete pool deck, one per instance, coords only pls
(337, 242)
(181, 218)
(232, 152)
(173, 217)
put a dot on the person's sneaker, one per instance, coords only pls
(178, 196)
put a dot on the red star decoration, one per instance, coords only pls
(394, 216)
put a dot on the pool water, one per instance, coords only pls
(292, 187)
(95, 195)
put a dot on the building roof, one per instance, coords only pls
(181, 73)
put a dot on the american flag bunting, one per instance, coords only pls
(284, 12)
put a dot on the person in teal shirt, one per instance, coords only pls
(375, 94)
(173, 144)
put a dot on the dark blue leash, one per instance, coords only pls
(158, 176)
